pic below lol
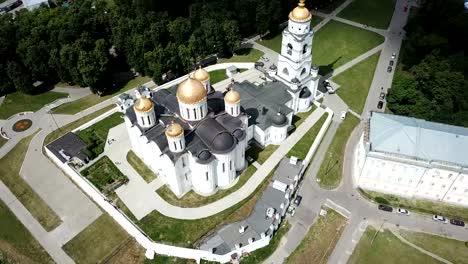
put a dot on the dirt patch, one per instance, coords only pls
(9, 253)
(131, 252)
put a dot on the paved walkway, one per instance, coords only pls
(328, 17)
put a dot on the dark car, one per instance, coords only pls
(380, 104)
(389, 69)
(382, 96)
(385, 208)
(259, 64)
(457, 222)
(391, 63)
(297, 200)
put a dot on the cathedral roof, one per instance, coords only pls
(191, 91)
(232, 97)
(300, 13)
(143, 105)
(201, 75)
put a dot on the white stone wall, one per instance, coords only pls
(226, 169)
(146, 119)
(204, 180)
(276, 135)
(193, 112)
(240, 154)
(176, 144)
(232, 109)
(458, 192)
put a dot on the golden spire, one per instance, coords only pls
(300, 13)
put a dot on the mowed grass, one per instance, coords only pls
(18, 102)
(192, 199)
(385, 248)
(260, 155)
(146, 173)
(3, 141)
(300, 117)
(356, 81)
(218, 75)
(273, 41)
(69, 127)
(320, 240)
(337, 43)
(450, 249)
(97, 241)
(243, 55)
(376, 14)
(10, 166)
(93, 99)
(331, 169)
(17, 245)
(303, 145)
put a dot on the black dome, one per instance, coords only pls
(295, 80)
(305, 93)
(204, 155)
(279, 119)
(223, 141)
(239, 134)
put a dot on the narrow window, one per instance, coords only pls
(304, 50)
(206, 176)
(149, 121)
(285, 71)
(180, 143)
(142, 121)
(195, 113)
(303, 71)
(186, 178)
(183, 162)
(188, 113)
(232, 111)
(289, 50)
(230, 165)
(224, 169)
(175, 146)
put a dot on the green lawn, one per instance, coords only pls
(320, 240)
(97, 241)
(337, 43)
(331, 170)
(244, 55)
(259, 255)
(217, 76)
(2, 141)
(95, 136)
(420, 205)
(18, 102)
(10, 166)
(104, 175)
(140, 167)
(370, 12)
(260, 155)
(273, 41)
(17, 245)
(300, 117)
(356, 81)
(450, 249)
(92, 99)
(303, 145)
(69, 127)
(328, 6)
(385, 249)
(192, 199)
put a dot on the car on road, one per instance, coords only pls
(297, 200)
(457, 222)
(403, 211)
(382, 96)
(380, 105)
(391, 63)
(440, 219)
(265, 59)
(386, 208)
(389, 69)
(343, 115)
(393, 55)
(259, 64)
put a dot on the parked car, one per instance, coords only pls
(385, 208)
(259, 64)
(382, 96)
(439, 218)
(343, 115)
(297, 200)
(389, 69)
(457, 222)
(330, 89)
(403, 211)
(393, 55)
(380, 105)
(391, 63)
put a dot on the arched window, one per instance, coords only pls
(285, 71)
(289, 51)
(304, 49)
(303, 71)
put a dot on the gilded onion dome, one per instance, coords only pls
(300, 13)
(191, 91)
(232, 97)
(174, 130)
(201, 74)
(143, 105)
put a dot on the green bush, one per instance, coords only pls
(381, 200)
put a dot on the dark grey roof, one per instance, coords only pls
(71, 144)
(215, 136)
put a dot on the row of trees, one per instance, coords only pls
(432, 84)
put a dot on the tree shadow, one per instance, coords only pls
(327, 70)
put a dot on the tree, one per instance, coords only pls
(179, 29)
(231, 32)
(20, 77)
(263, 19)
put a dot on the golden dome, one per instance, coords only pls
(300, 13)
(201, 75)
(143, 105)
(191, 91)
(232, 97)
(174, 130)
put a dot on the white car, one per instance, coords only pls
(343, 115)
(393, 55)
(403, 211)
(440, 219)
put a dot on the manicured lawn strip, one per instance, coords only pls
(260, 155)
(140, 167)
(356, 81)
(259, 255)
(189, 232)
(376, 14)
(97, 241)
(162, 259)
(2, 141)
(303, 145)
(330, 6)
(385, 249)
(95, 136)
(217, 76)
(10, 166)
(16, 243)
(321, 239)
(273, 41)
(300, 117)
(450, 249)
(92, 99)
(104, 175)
(331, 170)
(18, 102)
(192, 199)
(244, 55)
(69, 127)
(337, 43)
(419, 205)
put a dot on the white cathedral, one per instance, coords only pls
(195, 138)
